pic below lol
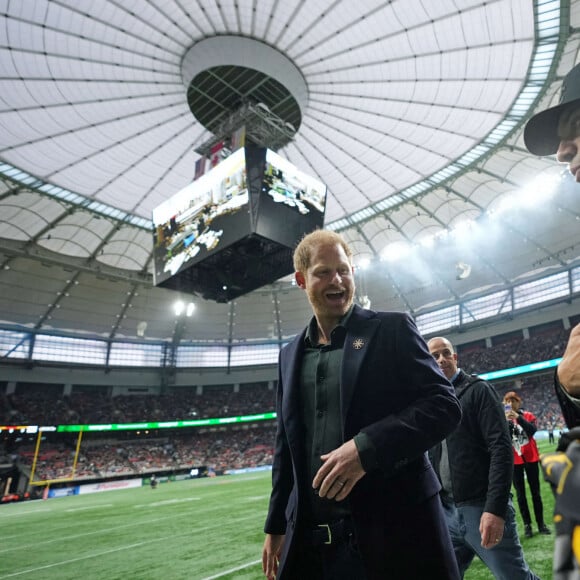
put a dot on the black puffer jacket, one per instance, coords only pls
(480, 449)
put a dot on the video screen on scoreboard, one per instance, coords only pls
(202, 218)
(292, 203)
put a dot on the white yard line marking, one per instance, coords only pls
(89, 507)
(231, 570)
(166, 502)
(58, 539)
(119, 549)
(88, 557)
(25, 513)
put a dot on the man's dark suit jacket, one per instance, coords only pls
(392, 390)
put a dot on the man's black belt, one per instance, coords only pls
(330, 533)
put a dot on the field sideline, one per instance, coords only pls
(201, 529)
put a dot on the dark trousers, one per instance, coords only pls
(412, 542)
(340, 561)
(532, 473)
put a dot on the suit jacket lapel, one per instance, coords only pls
(361, 328)
(291, 381)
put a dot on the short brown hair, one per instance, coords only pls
(303, 251)
(512, 395)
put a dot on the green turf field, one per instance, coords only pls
(192, 529)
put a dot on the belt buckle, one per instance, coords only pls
(328, 532)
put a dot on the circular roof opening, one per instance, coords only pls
(216, 93)
(225, 75)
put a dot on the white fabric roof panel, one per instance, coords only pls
(92, 100)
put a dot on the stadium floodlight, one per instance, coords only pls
(462, 228)
(427, 241)
(538, 191)
(396, 251)
(463, 270)
(141, 328)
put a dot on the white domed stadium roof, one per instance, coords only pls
(410, 112)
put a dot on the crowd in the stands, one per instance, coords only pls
(39, 406)
(222, 449)
(513, 351)
(216, 450)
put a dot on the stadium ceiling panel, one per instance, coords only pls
(411, 113)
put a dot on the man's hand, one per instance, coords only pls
(491, 529)
(271, 551)
(340, 470)
(569, 367)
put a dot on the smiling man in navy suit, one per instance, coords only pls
(360, 400)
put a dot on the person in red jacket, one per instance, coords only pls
(522, 426)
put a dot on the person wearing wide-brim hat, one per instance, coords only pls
(556, 131)
(548, 132)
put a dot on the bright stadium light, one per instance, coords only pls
(364, 263)
(538, 191)
(396, 251)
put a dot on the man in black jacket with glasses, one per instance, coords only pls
(475, 466)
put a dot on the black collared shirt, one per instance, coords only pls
(321, 407)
